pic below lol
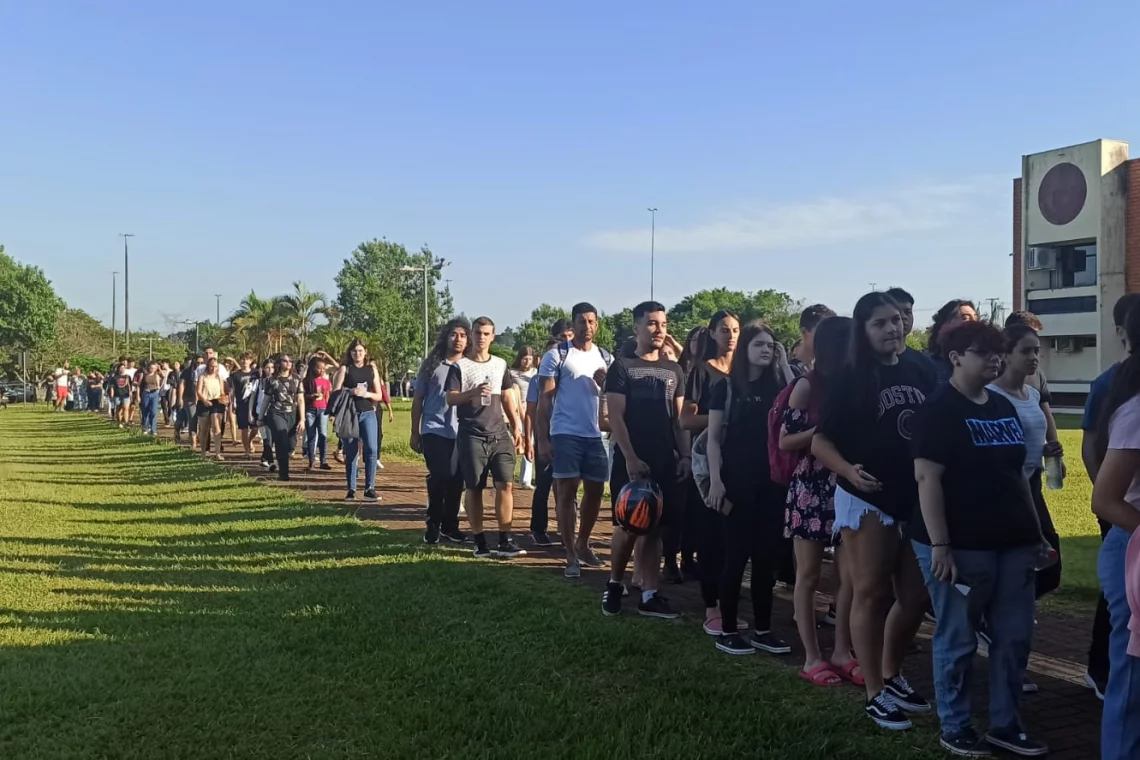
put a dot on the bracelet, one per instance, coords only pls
(936, 544)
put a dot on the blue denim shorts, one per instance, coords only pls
(577, 457)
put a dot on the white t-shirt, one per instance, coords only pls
(61, 378)
(576, 404)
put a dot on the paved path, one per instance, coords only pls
(1064, 713)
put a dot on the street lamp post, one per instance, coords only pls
(126, 290)
(652, 247)
(217, 308)
(114, 311)
(436, 267)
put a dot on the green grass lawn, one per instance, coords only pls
(154, 605)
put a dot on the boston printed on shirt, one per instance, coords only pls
(878, 436)
(475, 418)
(986, 494)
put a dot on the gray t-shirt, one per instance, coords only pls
(438, 418)
(475, 418)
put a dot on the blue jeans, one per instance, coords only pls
(369, 434)
(1002, 590)
(316, 434)
(149, 407)
(1120, 728)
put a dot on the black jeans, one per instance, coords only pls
(710, 544)
(753, 530)
(1049, 579)
(540, 502)
(1102, 629)
(444, 482)
(283, 429)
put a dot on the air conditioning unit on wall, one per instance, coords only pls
(1066, 345)
(1041, 258)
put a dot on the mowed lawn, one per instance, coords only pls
(153, 605)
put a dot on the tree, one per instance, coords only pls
(535, 332)
(778, 309)
(258, 325)
(300, 310)
(382, 301)
(29, 305)
(918, 339)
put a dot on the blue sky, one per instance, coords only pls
(812, 148)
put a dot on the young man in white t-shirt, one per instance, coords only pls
(571, 376)
(62, 378)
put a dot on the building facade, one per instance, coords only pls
(1076, 250)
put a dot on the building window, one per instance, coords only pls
(1072, 265)
(1070, 305)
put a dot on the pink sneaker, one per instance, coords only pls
(713, 626)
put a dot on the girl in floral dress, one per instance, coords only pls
(810, 511)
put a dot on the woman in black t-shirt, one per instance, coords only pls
(359, 377)
(284, 412)
(863, 436)
(701, 528)
(750, 507)
(976, 537)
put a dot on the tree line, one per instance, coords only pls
(379, 298)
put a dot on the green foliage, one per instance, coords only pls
(918, 339)
(535, 332)
(29, 305)
(504, 353)
(383, 303)
(85, 342)
(778, 309)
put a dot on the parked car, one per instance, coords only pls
(18, 393)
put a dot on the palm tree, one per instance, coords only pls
(300, 310)
(259, 324)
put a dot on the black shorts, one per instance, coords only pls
(664, 474)
(241, 411)
(480, 457)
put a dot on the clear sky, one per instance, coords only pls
(809, 147)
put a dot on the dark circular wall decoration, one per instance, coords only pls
(1062, 194)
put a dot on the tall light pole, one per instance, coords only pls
(217, 308)
(435, 266)
(126, 290)
(652, 247)
(114, 311)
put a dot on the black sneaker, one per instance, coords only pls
(482, 552)
(350, 496)
(370, 495)
(658, 607)
(886, 714)
(671, 573)
(282, 476)
(965, 743)
(431, 535)
(1016, 741)
(611, 599)
(542, 538)
(734, 643)
(265, 465)
(326, 466)
(454, 535)
(509, 549)
(769, 642)
(904, 696)
(273, 468)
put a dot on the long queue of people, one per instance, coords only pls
(921, 473)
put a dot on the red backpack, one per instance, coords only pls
(781, 463)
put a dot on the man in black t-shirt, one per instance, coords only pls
(240, 382)
(644, 395)
(188, 403)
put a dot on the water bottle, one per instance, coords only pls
(1054, 478)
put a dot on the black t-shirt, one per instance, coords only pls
(122, 386)
(282, 393)
(700, 383)
(878, 435)
(189, 385)
(985, 493)
(94, 382)
(650, 388)
(744, 454)
(360, 377)
(924, 363)
(239, 383)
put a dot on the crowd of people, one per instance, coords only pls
(921, 474)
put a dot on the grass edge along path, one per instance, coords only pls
(154, 605)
